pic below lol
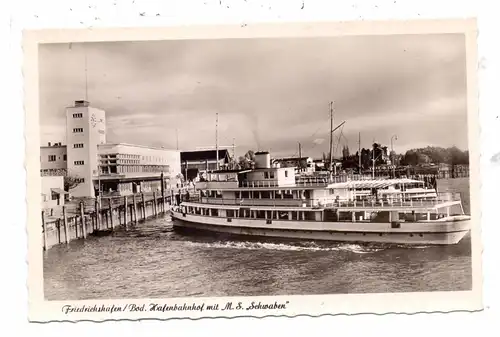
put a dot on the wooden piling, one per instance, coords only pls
(125, 210)
(65, 219)
(97, 218)
(111, 212)
(155, 211)
(162, 197)
(44, 229)
(143, 206)
(135, 208)
(82, 219)
(75, 220)
(58, 226)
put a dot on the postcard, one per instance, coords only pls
(260, 170)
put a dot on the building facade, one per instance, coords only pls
(121, 168)
(53, 193)
(85, 131)
(53, 159)
(302, 164)
(127, 168)
(195, 162)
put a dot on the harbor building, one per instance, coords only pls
(195, 162)
(53, 159)
(302, 164)
(53, 193)
(127, 168)
(96, 165)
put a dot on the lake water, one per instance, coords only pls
(151, 260)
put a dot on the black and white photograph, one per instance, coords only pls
(254, 166)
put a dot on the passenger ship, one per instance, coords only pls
(272, 202)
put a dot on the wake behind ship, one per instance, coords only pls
(273, 202)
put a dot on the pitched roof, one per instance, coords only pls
(203, 155)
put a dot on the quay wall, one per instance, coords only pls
(89, 217)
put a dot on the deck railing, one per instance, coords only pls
(325, 203)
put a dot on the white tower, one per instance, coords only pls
(85, 131)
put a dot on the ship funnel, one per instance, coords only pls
(262, 160)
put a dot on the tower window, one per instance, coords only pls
(77, 130)
(65, 157)
(78, 146)
(78, 115)
(52, 157)
(79, 162)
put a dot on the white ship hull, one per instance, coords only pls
(442, 232)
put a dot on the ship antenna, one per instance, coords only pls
(86, 75)
(217, 139)
(331, 137)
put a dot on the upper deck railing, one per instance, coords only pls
(301, 181)
(365, 203)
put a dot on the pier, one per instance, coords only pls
(94, 217)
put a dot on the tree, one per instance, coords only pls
(247, 161)
(71, 181)
(345, 152)
(436, 155)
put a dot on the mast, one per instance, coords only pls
(86, 75)
(373, 159)
(331, 136)
(234, 158)
(300, 156)
(359, 152)
(217, 139)
(177, 137)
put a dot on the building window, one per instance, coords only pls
(77, 130)
(266, 175)
(78, 146)
(79, 162)
(80, 180)
(78, 115)
(52, 157)
(286, 174)
(271, 175)
(65, 157)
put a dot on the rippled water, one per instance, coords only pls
(151, 260)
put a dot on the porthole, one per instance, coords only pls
(411, 235)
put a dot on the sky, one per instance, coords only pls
(269, 93)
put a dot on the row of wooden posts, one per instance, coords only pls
(103, 217)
